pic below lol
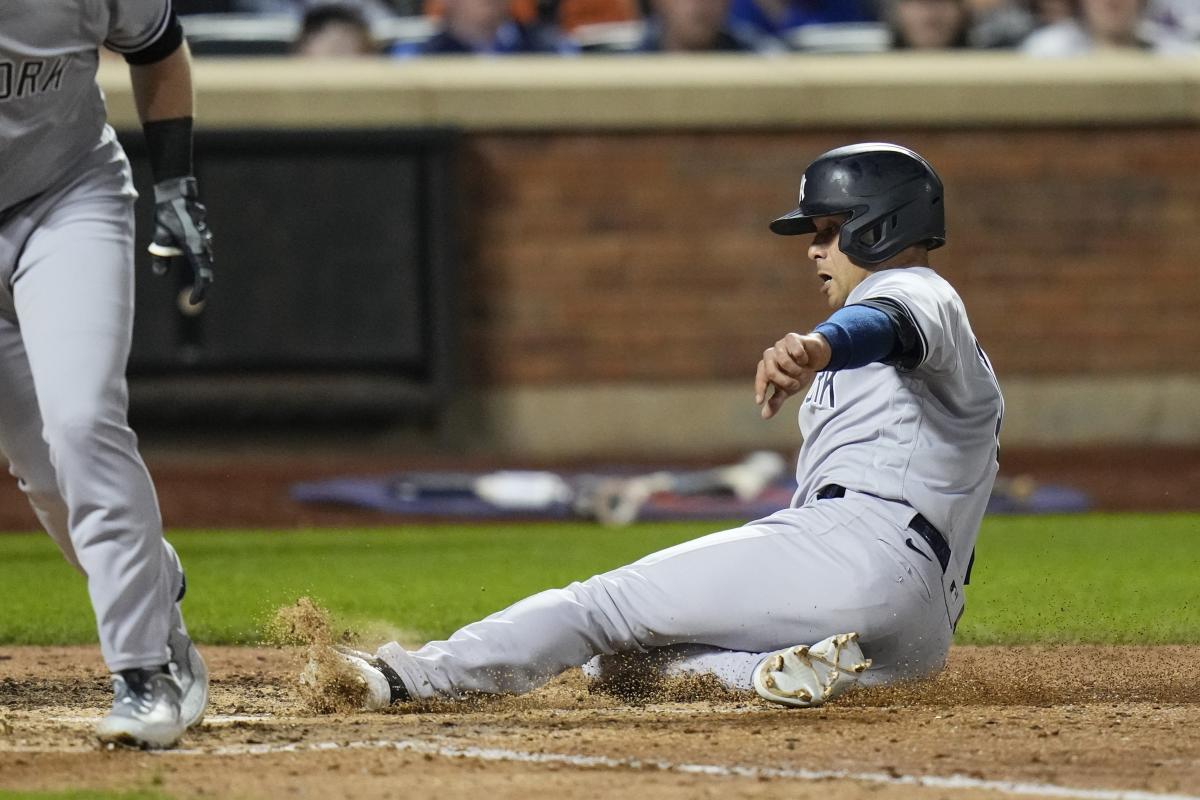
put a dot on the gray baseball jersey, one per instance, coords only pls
(51, 109)
(924, 433)
(900, 442)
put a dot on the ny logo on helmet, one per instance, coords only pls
(803, 178)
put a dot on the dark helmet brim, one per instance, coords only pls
(798, 221)
(794, 223)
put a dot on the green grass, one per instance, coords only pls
(1093, 578)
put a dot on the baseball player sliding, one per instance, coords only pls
(861, 578)
(66, 316)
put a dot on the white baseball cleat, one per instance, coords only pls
(383, 684)
(145, 710)
(808, 676)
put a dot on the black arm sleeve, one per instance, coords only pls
(169, 143)
(160, 48)
(910, 348)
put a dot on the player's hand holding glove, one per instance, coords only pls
(180, 230)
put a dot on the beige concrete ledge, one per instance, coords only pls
(702, 419)
(1150, 409)
(525, 93)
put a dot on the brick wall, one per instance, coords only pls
(646, 257)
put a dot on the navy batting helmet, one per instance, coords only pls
(892, 196)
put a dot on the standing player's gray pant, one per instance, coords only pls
(719, 603)
(66, 317)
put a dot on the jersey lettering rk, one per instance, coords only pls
(37, 75)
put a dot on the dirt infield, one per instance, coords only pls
(1087, 722)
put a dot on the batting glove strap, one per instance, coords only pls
(184, 188)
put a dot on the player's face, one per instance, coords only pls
(839, 275)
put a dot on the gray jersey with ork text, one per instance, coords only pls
(51, 109)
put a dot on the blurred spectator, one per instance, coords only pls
(573, 13)
(690, 26)
(1103, 25)
(566, 15)
(334, 31)
(1048, 12)
(775, 17)
(1000, 23)
(948, 24)
(928, 24)
(1181, 17)
(483, 27)
(370, 9)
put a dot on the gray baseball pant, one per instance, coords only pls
(66, 321)
(716, 605)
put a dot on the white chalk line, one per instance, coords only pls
(713, 770)
(574, 760)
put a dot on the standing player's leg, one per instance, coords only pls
(21, 439)
(800, 576)
(73, 296)
(29, 462)
(20, 420)
(73, 293)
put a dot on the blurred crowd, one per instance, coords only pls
(416, 28)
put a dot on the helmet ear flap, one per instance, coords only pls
(875, 239)
(862, 239)
(877, 232)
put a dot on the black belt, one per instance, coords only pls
(923, 527)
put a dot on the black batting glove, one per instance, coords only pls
(180, 230)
